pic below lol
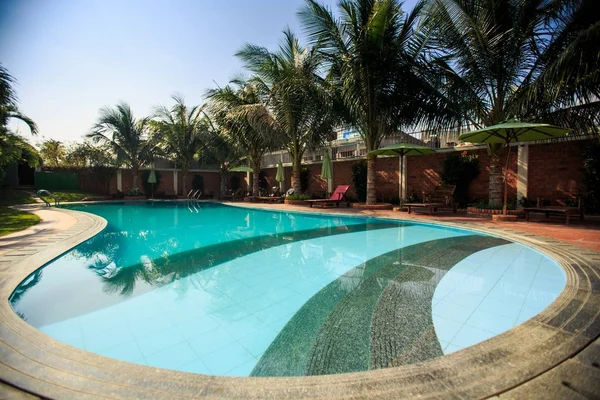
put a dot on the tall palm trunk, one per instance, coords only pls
(371, 168)
(184, 177)
(255, 179)
(495, 182)
(296, 174)
(135, 169)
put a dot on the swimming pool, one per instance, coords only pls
(223, 290)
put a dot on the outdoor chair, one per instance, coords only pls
(565, 210)
(235, 195)
(273, 198)
(338, 195)
(441, 197)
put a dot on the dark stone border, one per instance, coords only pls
(515, 360)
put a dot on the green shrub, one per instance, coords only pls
(198, 183)
(235, 182)
(304, 176)
(359, 178)
(298, 197)
(591, 176)
(460, 170)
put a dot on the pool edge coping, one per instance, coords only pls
(36, 363)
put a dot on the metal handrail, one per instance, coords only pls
(48, 193)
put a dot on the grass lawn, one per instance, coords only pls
(15, 220)
(64, 197)
(9, 197)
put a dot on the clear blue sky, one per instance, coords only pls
(72, 57)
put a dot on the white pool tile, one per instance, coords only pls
(127, 351)
(159, 341)
(491, 322)
(511, 285)
(445, 328)
(209, 342)
(227, 358)
(172, 357)
(468, 335)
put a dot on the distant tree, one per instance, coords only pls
(221, 152)
(53, 152)
(181, 134)
(298, 99)
(238, 111)
(126, 136)
(13, 148)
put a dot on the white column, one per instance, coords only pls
(282, 183)
(522, 171)
(175, 182)
(248, 182)
(119, 180)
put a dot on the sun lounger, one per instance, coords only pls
(236, 195)
(442, 197)
(339, 195)
(271, 199)
(556, 210)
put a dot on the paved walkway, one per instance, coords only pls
(554, 355)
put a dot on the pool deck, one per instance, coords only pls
(554, 355)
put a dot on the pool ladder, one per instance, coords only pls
(47, 193)
(194, 195)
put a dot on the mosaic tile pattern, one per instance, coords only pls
(372, 315)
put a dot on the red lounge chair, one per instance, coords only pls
(337, 196)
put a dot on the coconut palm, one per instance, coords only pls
(221, 152)
(375, 53)
(181, 133)
(52, 152)
(299, 100)
(534, 60)
(8, 104)
(126, 135)
(238, 110)
(13, 148)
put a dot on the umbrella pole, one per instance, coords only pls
(401, 178)
(505, 206)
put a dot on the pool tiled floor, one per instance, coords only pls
(492, 291)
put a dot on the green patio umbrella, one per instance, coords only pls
(152, 181)
(242, 168)
(402, 149)
(512, 131)
(279, 175)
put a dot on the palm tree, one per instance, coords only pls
(126, 135)
(52, 152)
(238, 110)
(13, 148)
(221, 152)
(375, 54)
(299, 100)
(533, 60)
(181, 133)
(8, 104)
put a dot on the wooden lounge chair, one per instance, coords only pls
(338, 195)
(236, 195)
(271, 199)
(556, 210)
(442, 197)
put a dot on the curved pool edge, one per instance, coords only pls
(510, 362)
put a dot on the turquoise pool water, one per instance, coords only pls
(223, 290)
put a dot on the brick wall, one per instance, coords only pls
(556, 170)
